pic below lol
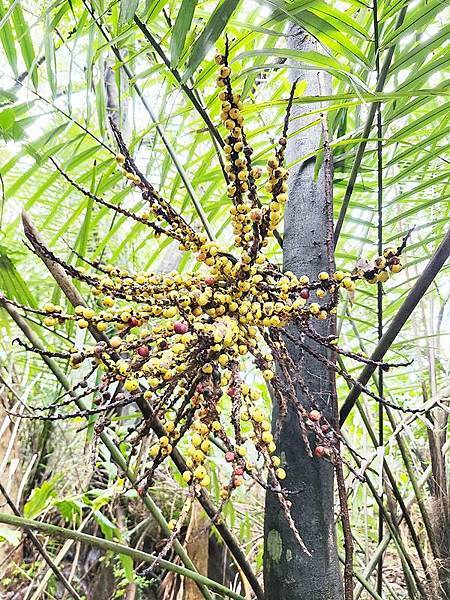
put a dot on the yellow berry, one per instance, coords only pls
(241, 450)
(267, 437)
(172, 524)
(115, 341)
(131, 385)
(200, 472)
(280, 473)
(154, 450)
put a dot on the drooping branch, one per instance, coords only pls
(423, 282)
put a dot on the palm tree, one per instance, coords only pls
(68, 66)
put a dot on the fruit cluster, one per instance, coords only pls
(182, 342)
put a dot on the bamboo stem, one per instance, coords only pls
(42, 551)
(116, 548)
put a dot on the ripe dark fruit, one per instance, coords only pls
(133, 322)
(319, 451)
(210, 280)
(239, 471)
(325, 428)
(232, 392)
(143, 351)
(180, 327)
(304, 294)
(229, 456)
(315, 415)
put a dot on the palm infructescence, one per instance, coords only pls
(410, 88)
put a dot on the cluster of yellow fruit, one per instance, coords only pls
(251, 222)
(179, 340)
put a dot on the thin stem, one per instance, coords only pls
(186, 89)
(116, 454)
(366, 133)
(379, 284)
(394, 530)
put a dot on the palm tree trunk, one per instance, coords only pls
(308, 249)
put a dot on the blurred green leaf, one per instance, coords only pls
(210, 34)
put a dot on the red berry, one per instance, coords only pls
(143, 351)
(319, 451)
(325, 428)
(232, 392)
(200, 388)
(180, 327)
(239, 471)
(315, 415)
(133, 322)
(229, 456)
(209, 280)
(304, 294)
(141, 490)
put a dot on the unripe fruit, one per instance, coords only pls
(241, 450)
(115, 341)
(154, 450)
(280, 473)
(172, 524)
(131, 385)
(396, 268)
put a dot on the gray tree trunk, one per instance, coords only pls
(289, 573)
